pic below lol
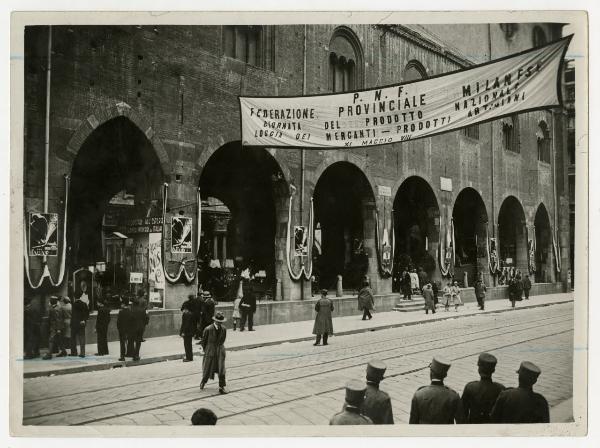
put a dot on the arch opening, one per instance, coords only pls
(343, 204)
(416, 226)
(512, 235)
(470, 231)
(242, 192)
(115, 189)
(544, 271)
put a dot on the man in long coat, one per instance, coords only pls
(428, 296)
(123, 326)
(521, 404)
(213, 340)
(102, 321)
(479, 397)
(80, 313)
(138, 324)
(207, 310)
(377, 404)
(247, 304)
(323, 321)
(366, 302)
(56, 323)
(351, 412)
(187, 330)
(480, 290)
(436, 404)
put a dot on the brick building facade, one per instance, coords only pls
(168, 95)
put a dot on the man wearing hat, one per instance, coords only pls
(248, 302)
(479, 397)
(123, 326)
(436, 404)
(213, 340)
(521, 404)
(207, 311)
(56, 324)
(351, 413)
(323, 323)
(377, 405)
(102, 321)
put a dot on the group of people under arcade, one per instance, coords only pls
(482, 401)
(67, 324)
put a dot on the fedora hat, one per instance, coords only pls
(218, 317)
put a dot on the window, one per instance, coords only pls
(543, 142)
(243, 43)
(510, 134)
(345, 61)
(539, 37)
(342, 72)
(414, 71)
(471, 132)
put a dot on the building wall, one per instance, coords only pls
(176, 85)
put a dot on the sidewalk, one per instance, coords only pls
(171, 347)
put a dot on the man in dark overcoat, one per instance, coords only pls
(187, 330)
(377, 404)
(213, 343)
(323, 322)
(480, 290)
(526, 286)
(351, 412)
(56, 325)
(366, 303)
(479, 397)
(208, 310)
(428, 296)
(521, 404)
(80, 313)
(102, 321)
(123, 327)
(436, 404)
(138, 324)
(247, 305)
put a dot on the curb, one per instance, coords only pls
(179, 356)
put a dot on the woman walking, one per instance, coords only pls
(323, 322)
(365, 300)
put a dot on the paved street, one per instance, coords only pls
(296, 383)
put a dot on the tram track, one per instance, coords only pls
(359, 359)
(322, 353)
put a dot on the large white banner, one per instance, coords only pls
(518, 83)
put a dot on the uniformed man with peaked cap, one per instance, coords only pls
(350, 415)
(436, 404)
(377, 405)
(479, 397)
(521, 404)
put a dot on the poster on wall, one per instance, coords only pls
(407, 111)
(43, 234)
(156, 277)
(181, 235)
(300, 241)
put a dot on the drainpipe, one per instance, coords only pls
(492, 165)
(302, 163)
(47, 135)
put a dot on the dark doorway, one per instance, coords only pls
(511, 235)
(239, 187)
(342, 200)
(544, 271)
(470, 222)
(416, 223)
(115, 177)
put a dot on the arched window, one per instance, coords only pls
(543, 142)
(510, 134)
(345, 61)
(243, 43)
(414, 71)
(539, 37)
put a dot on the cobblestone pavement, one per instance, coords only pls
(296, 383)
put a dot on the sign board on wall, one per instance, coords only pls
(136, 277)
(181, 235)
(525, 81)
(384, 191)
(445, 184)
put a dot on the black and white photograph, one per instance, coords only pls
(252, 220)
